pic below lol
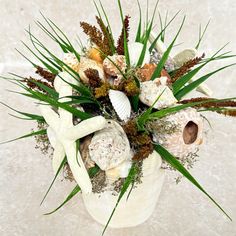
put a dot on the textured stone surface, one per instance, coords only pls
(25, 174)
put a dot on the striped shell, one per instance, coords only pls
(184, 56)
(110, 146)
(180, 133)
(151, 90)
(120, 103)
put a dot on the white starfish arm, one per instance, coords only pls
(58, 156)
(50, 116)
(203, 88)
(51, 137)
(85, 128)
(77, 167)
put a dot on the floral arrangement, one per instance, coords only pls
(107, 107)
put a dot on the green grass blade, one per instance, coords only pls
(201, 35)
(125, 36)
(139, 30)
(159, 35)
(29, 115)
(146, 38)
(92, 172)
(165, 56)
(187, 89)
(35, 133)
(130, 178)
(58, 171)
(178, 166)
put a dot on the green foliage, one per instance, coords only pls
(169, 158)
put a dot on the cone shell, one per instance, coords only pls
(151, 90)
(110, 68)
(71, 60)
(180, 133)
(135, 50)
(110, 146)
(184, 56)
(86, 64)
(120, 103)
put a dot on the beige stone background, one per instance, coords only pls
(25, 173)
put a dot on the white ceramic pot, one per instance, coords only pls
(141, 203)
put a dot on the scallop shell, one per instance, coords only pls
(151, 90)
(110, 68)
(135, 50)
(184, 56)
(110, 146)
(180, 133)
(86, 64)
(121, 104)
(71, 60)
(145, 195)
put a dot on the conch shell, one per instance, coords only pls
(151, 90)
(110, 146)
(180, 133)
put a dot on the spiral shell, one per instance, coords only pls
(180, 133)
(111, 69)
(110, 146)
(120, 103)
(85, 153)
(151, 90)
(86, 64)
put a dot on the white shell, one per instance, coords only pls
(150, 91)
(160, 46)
(121, 104)
(174, 141)
(110, 146)
(184, 56)
(121, 171)
(71, 60)
(140, 204)
(86, 64)
(135, 50)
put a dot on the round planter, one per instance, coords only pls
(140, 204)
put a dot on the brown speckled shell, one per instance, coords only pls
(110, 68)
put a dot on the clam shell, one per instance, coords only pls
(184, 56)
(110, 146)
(121, 104)
(150, 91)
(135, 50)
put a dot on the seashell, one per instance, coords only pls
(94, 54)
(110, 68)
(145, 195)
(86, 64)
(110, 146)
(135, 50)
(84, 151)
(160, 46)
(180, 133)
(71, 60)
(146, 72)
(151, 90)
(121, 104)
(121, 171)
(184, 56)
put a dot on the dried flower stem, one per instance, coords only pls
(45, 74)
